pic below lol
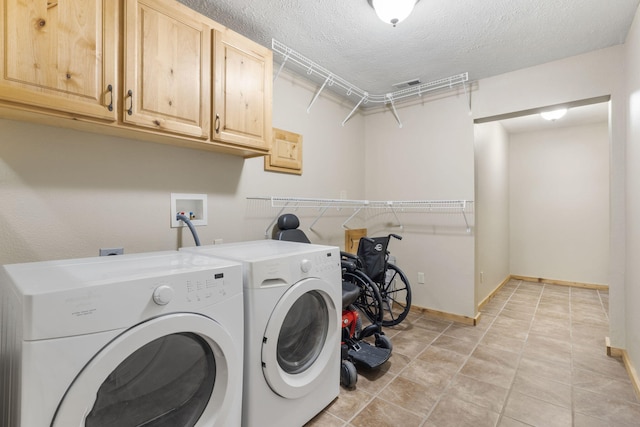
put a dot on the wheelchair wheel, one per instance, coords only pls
(348, 374)
(383, 341)
(396, 296)
(369, 302)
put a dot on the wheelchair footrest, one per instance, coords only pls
(370, 356)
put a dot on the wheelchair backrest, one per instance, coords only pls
(286, 228)
(372, 253)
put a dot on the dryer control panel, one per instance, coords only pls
(320, 262)
(74, 297)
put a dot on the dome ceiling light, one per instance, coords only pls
(554, 115)
(393, 11)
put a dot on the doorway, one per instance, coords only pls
(542, 197)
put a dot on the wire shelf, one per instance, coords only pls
(462, 207)
(289, 55)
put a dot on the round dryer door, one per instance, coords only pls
(301, 339)
(172, 370)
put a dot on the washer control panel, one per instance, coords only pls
(207, 288)
(89, 295)
(320, 262)
(196, 289)
(163, 295)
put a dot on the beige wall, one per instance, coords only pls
(492, 208)
(66, 193)
(430, 158)
(559, 203)
(632, 291)
(584, 76)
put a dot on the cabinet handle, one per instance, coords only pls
(130, 110)
(110, 106)
(217, 123)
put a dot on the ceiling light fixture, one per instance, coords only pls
(554, 114)
(393, 11)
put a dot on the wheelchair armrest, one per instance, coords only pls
(349, 266)
(347, 255)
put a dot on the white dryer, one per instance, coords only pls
(292, 294)
(152, 339)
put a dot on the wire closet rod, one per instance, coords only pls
(330, 79)
(395, 206)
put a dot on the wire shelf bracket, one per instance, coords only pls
(290, 56)
(363, 99)
(395, 207)
(393, 108)
(328, 80)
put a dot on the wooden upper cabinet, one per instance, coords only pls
(285, 154)
(167, 68)
(242, 91)
(60, 55)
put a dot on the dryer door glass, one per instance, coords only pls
(303, 333)
(166, 383)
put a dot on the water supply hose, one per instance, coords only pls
(183, 218)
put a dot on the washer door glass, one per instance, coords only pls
(301, 341)
(303, 333)
(180, 369)
(167, 382)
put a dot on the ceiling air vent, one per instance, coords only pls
(408, 83)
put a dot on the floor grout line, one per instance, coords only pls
(455, 375)
(573, 406)
(518, 298)
(510, 389)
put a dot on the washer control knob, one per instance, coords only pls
(162, 295)
(305, 265)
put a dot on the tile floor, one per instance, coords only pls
(537, 358)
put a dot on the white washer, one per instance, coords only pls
(152, 339)
(292, 294)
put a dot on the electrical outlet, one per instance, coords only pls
(482, 277)
(218, 241)
(111, 251)
(420, 278)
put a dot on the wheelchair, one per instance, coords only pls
(372, 260)
(359, 295)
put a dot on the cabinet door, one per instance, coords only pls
(60, 55)
(286, 152)
(242, 91)
(167, 68)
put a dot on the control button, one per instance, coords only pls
(305, 265)
(162, 295)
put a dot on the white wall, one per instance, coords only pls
(559, 203)
(492, 208)
(66, 193)
(332, 160)
(632, 291)
(430, 158)
(580, 77)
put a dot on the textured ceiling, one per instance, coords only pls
(440, 39)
